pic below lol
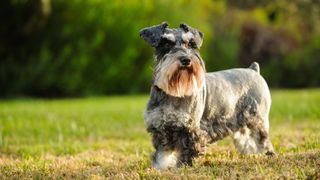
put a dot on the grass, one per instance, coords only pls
(105, 137)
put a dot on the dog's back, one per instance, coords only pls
(226, 87)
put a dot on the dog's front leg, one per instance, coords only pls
(192, 144)
(167, 155)
(176, 146)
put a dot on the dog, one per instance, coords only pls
(189, 108)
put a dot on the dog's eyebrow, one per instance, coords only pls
(169, 36)
(186, 36)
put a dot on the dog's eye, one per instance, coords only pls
(167, 44)
(192, 44)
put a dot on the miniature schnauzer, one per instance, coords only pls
(190, 108)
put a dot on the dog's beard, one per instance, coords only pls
(179, 81)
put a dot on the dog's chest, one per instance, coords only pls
(182, 111)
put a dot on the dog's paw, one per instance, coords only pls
(271, 153)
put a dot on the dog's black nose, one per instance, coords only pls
(185, 60)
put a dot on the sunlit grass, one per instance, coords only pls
(105, 137)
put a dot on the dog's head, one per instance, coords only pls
(179, 69)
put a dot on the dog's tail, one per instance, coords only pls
(255, 66)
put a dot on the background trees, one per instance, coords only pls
(75, 48)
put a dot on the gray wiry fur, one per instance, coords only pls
(231, 102)
(153, 34)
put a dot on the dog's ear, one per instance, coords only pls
(153, 34)
(198, 35)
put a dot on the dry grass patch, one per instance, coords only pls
(100, 138)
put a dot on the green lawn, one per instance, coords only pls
(105, 137)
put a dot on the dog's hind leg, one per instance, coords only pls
(253, 138)
(262, 135)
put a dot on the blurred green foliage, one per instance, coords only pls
(76, 48)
